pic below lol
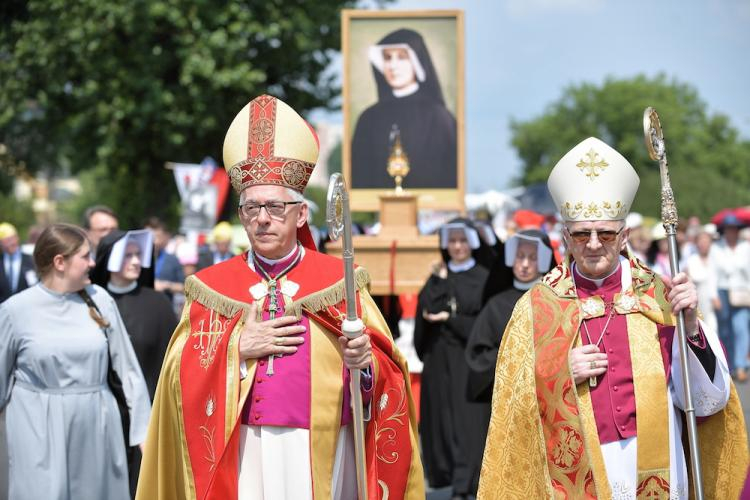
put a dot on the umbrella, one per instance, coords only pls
(742, 214)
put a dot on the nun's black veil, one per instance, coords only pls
(501, 276)
(100, 274)
(430, 87)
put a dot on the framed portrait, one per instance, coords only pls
(404, 89)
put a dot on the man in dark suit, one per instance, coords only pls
(168, 272)
(17, 269)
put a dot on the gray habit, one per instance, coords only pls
(63, 426)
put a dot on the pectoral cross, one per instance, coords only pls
(453, 305)
(273, 307)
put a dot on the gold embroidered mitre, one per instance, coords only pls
(593, 182)
(269, 143)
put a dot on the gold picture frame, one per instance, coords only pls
(433, 178)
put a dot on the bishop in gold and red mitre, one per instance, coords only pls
(269, 143)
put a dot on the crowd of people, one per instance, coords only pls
(550, 351)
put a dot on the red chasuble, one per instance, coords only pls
(192, 448)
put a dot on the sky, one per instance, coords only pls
(521, 54)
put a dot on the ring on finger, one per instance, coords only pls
(593, 365)
(278, 341)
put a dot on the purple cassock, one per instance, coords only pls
(283, 398)
(613, 398)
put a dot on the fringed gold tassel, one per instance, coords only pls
(196, 290)
(328, 296)
(362, 278)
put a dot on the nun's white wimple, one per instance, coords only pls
(141, 237)
(375, 54)
(472, 236)
(543, 252)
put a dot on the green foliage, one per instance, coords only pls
(318, 195)
(335, 160)
(120, 87)
(708, 161)
(18, 213)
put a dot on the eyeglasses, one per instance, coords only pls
(604, 236)
(273, 208)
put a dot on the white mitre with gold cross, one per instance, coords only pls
(593, 182)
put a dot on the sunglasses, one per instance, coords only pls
(605, 236)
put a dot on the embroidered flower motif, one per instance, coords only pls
(678, 493)
(568, 450)
(383, 402)
(258, 291)
(289, 288)
(262, 130)
(388, 427)
(294, 173)
(235, 174)
(592, 307)
(626, 302)
(622, 491)
(259, 169)
(706, 403)
(653, 486)
(210, 406)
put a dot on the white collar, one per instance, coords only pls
(122, 290)
(625, 277)
(271, 262)
(405, 91)
(462, 266)
(520, 285)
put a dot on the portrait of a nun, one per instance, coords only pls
(410, 104)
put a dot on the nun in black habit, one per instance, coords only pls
(447, 307)
(526, 258)
(410, 103)
(123, 267)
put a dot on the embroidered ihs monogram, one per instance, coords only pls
(208, 339)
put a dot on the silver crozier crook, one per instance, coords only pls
(339, 220)
(657, 151)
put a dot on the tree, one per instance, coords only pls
(123, 86)
(708, 160)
